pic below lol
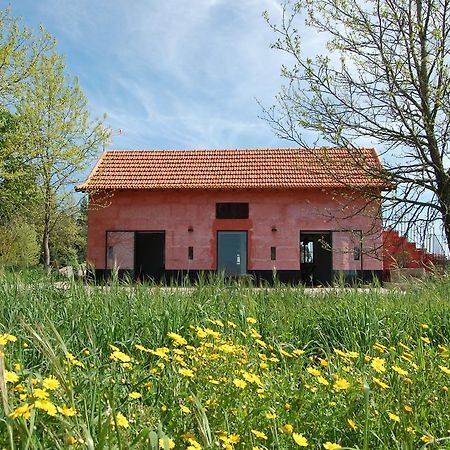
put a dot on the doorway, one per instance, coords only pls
(149, 255)
(316, 258)
(232, 253)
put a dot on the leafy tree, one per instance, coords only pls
(18, 243)
(383, 78)
(55, 129)
(17, 180)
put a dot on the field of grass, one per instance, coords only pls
(222, 366)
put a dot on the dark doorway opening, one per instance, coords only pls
(316, 258)
(149, 255)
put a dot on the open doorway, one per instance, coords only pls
(316, 259)
(149, 255)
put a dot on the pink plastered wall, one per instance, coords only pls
(289, 212)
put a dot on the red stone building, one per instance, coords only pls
(300, 215)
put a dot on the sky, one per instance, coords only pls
(170, 74)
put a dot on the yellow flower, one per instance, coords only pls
(185, 409)
(239, 383)
(425, 438)
(394, 417)
(122, 421)
(407, 408)
(270, 415)
(118, 356)
(186, 372)
(47, 406)
(11, 377)
(445, 369)
(314, 372)
(287, 428)
(399, 370)
(22, 411)
(331, 446)
(135, 395)
(251, 320)
(380, 383)
(177, 339)
(51, 383)
(321, 380)
(424, 326)
(40, 393)
(66, 411)
(341, 384)
(170, 441)
(300, 440)
(260, 434)
(378, 364)
(425, 339)
(5, 338)
(352, 424)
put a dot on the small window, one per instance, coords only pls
(273, 253)
(231, 210)
(190, 252)
(306, 251)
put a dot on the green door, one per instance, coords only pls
(232, 252)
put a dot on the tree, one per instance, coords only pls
(55, 129)
(384, 79)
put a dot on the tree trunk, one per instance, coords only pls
(46, 248)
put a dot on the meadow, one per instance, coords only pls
(222, 366)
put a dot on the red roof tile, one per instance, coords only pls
(234, 169)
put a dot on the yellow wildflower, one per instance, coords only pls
(135, 395)
(425, 339)
(177, 339)
(270, 415)
(66, 411)
(47, 406)
(352, 424)
(51, 383)
(331, 446)
(251, 320)
(300, 440)
(11, 377)
(6, 338)
(186, 372)
(287, 428)
(407, 408)
(122, 421)
(399, 370)
(425, 438)
(444, 369)
(185, 409)
(378, 364)
(394, 417)
(40, 393)
(170, 441)
(380, 383)
(239, 383)
(313, 371)
(21, 411)
(260, 434)
(341, 384)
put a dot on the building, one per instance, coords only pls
(303, 215)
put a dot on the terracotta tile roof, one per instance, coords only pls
(234, 169)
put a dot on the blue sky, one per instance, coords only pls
(170, 73)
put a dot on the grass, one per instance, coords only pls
(294, 368)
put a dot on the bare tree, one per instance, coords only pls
(383, 77)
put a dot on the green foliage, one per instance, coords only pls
(224, 391)
(18, 243)
(47, 139)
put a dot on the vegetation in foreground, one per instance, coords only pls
(222, 366)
